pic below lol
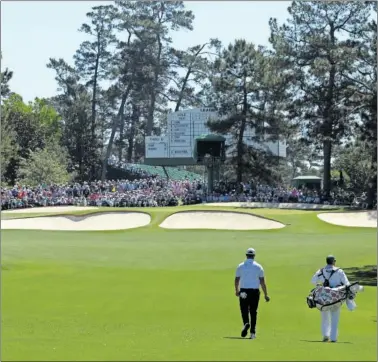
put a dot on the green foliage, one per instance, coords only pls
(318, 41)
(301, 157)
(27, 127)
(319, 81)
(194, 65)
(93, 59)
(74, 106)
(47, 165)
(245, 91)
(356, 161)
(8, 144)
(5, 77)
(94, 62)
(48, 119)
(33, 123)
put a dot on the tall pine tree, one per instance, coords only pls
(315, 40)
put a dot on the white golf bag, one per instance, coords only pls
(326, 298)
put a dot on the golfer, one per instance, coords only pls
(332, 277)
(249, 277)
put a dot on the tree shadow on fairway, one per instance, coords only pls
(317, 341)
(366, 275)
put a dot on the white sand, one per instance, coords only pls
(366, 219)
(218, 220)
(49, 209)
(275, 205)
(95, 222)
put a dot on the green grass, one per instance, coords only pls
(155, 294)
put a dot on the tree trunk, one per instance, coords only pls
(121, 138)
(239, 171)
(116, 122)
(181, 95)
(372, 190)
(150, 117)
(294, 173)
(131, 135)
(240, 148)
(93, 120)
(327, 152)
(94, 95)
(328, 121)
(151, 108)
(186, 79)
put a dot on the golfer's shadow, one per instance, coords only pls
(317, 341)
(236, 338)
(301, 340)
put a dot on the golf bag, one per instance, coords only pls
(326, 298)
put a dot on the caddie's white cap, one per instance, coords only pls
(250, 251)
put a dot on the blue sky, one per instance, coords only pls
(34, 31)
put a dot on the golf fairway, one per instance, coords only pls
(157, 294)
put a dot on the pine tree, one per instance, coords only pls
(315, 40)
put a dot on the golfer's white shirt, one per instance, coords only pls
(338, 277)
(249, 273)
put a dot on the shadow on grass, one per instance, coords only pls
(366, 275)
(317, 341)
(236, 338)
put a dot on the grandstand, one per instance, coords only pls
(173, 172)
(132, 171)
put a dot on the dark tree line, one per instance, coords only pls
(315, 85)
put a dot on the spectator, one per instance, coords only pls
(151, 190)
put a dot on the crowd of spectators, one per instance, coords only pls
(225, 192)
(146, 192)
(153, 191)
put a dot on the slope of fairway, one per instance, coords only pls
(218, 220)
(94, 222)
(366, 219)
(152, 294)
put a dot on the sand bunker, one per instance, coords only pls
(366, 219)
(94, 222)
(48, 209)
(218, 220)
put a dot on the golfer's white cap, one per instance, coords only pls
(250, 251)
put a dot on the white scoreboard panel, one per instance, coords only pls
(184, 126)
(180, 152)
(157, 147)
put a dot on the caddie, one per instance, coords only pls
(330, 276)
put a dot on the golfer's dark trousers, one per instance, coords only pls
(248, 307)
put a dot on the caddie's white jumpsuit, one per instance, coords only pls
(330, 318)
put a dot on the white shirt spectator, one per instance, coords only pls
(337, 279)
(249, 273)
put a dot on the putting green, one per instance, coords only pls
(158, 294)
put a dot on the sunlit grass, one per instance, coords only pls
(157, 294)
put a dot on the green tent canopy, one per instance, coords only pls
(311, 182)
(207, 138)
(210, 138)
